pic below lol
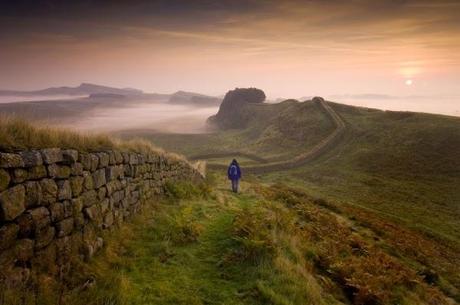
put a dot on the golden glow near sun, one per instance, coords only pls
(409, 82)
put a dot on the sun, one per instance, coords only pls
(409, 82)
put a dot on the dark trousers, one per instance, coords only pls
(235, 185)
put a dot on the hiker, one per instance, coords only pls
(234, 174)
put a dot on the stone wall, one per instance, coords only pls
(55, 203)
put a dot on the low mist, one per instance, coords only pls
(156, 117)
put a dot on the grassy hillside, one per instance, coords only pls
(274, 131)
(397, 167)
(269, 245)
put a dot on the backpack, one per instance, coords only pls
(233, 171)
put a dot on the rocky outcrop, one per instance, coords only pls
(55, 203)
(231, 113)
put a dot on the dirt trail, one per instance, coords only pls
(326, 144)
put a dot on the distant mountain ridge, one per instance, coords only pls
(197, 99)
(82, 89)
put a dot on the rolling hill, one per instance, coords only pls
(397, 168)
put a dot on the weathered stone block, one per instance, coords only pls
(76, 169)
(4, 179)
(12, 202)
(101, 193)
(99, 178)
(88, 182)
(76, 184)
(20, 175)
(112, 172)
(94, 162)
(8, 235)
(93, 213)
(24, 249)
(44, 237)
(118, 157)
(49, 191)
(37, 172)
(65, 227)
(26, 225)
(85, 160)
(77, 205)
(103, 160)
(57, 211)
(8, 160)
(133, 158)
(89, 198)
(112, 160)
(125, 157)
(51, 155)
(33, 194)
(7, 258)
(58, 171)
(40, 217)
(70, 156)
(64, 190)
(105, 205)
(108, 220)
(79, 221)
(31, 158)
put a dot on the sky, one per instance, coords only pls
(286, 48)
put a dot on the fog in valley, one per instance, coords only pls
(158, 117)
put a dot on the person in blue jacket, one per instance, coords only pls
(234, 174)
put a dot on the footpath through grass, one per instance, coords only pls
(267, 245)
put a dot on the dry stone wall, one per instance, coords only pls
(55, 203)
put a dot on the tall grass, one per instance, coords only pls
(18, 134)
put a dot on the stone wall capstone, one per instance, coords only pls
(55, 203)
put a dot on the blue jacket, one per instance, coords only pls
(234, 171)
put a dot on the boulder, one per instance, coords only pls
(51, 155)
(12, 202)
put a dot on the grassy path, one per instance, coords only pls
(264, 246)
(176, 256)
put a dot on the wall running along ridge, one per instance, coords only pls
(55, 203)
